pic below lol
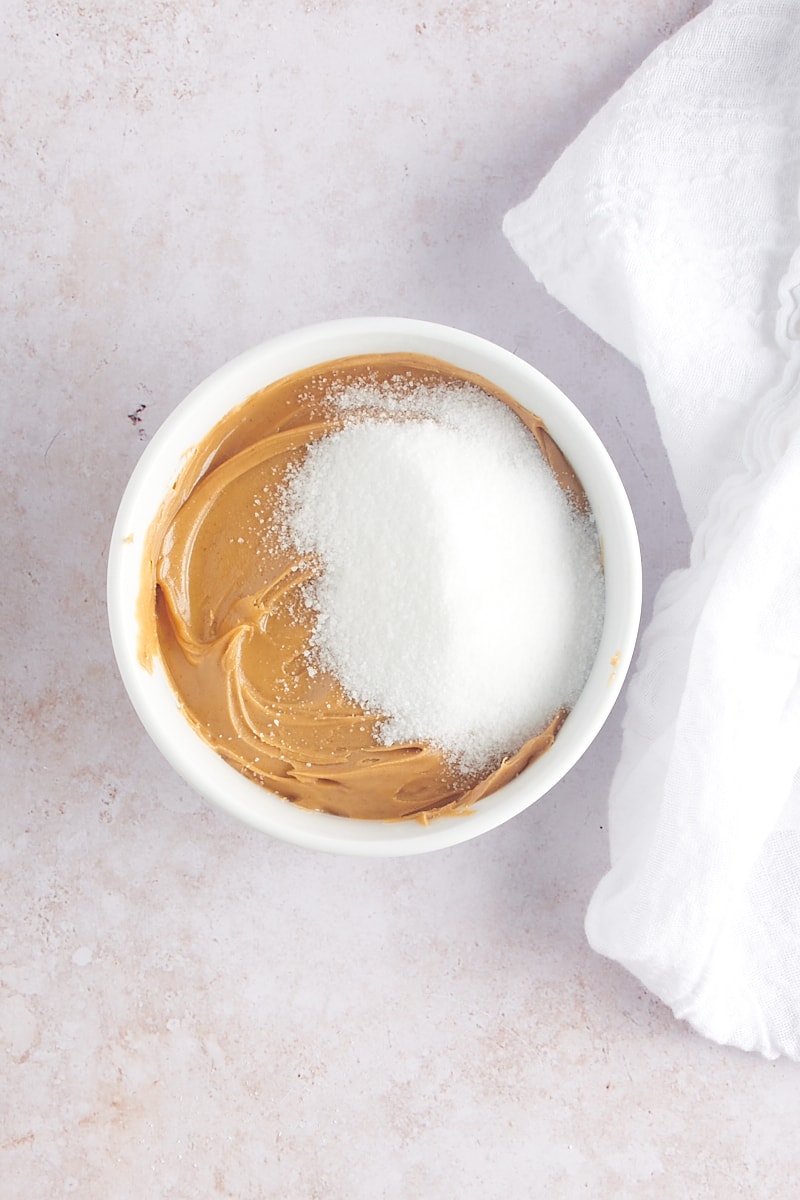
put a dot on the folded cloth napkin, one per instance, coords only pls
(670, 226)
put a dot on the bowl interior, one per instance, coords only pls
(151, 693)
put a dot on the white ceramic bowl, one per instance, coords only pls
(154, 699)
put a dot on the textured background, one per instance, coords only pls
(188, 1008)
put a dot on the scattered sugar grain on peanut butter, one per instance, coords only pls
(460, 593)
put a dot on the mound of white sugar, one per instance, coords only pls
(460, 592)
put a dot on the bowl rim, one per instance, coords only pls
(157, 705)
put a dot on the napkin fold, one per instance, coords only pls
(670, 227)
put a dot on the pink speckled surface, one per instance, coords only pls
(187, 1008)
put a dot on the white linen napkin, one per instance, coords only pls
(670, 226)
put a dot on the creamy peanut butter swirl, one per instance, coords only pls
(221, 606)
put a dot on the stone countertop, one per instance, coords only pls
(189, 1008)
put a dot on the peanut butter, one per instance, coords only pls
(220, 606)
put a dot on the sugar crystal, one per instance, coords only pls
(460, 592)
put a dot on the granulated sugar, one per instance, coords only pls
(460, 592)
